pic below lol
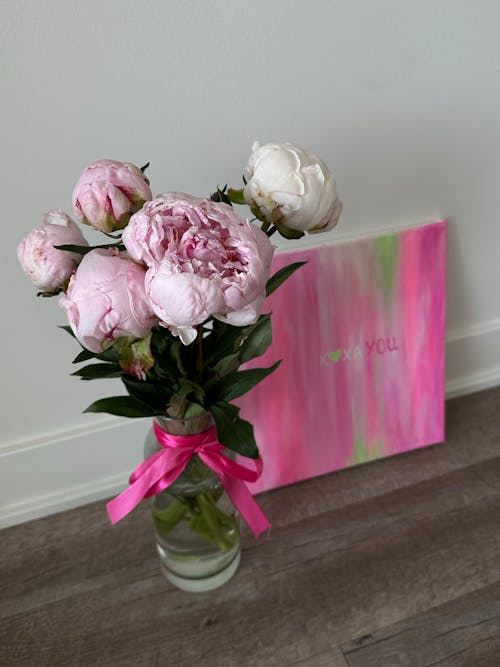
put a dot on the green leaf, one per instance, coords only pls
(187, 358)
(223, 341)
(175, 353)
(223, 412)
(67, 328)
(220, 195)
(236, 384)
(49, 294)
(116, 235)
(122, 406)
(241, 439)
(98, 371)
(194, 410)
(227, 365)
(80, 249)
(259, 337)
(288, 233)
(84, 355)
(187, 392)
(280, 276)
(236, 196)
(154, 394)
(165, 365)
(111, 354)
(232, 431)
(84, 249)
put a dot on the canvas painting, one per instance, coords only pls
(360, 329)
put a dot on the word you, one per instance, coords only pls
(376, 346)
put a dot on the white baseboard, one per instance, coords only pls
(469, 384)
(71, 468)
(63, 499)
(473, 358)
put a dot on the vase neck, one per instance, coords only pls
(186, 425)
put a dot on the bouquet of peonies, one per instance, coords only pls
(172, 304)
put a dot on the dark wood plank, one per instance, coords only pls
(350, 554)
(462, 633)
(332, 658)
(344, 573)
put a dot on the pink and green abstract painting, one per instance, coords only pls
(360, 329)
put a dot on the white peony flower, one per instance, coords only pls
(291, 187)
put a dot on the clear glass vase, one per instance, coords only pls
(196, 524)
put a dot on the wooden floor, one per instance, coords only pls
(391, 564)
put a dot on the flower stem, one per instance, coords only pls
(265, 226)
(215, 521)
(166, 519)
(199, 351)
(203, 517)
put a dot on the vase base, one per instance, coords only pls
(205, 583)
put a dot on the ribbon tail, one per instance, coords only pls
(232, 468)
(158, 474)
(246, 504)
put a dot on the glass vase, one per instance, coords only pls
(196, 525)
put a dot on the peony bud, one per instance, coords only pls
(291, 188)
(46, 267)
(134, 356)
(108, 193)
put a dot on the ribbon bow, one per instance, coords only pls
(163, 467)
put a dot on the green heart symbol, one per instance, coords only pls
(335, 356)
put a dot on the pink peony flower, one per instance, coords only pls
(108, 193)
(46, 267)
(106, 300)
(203, 260)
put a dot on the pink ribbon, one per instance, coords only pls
(163, 467)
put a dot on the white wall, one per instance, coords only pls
(401, 99)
